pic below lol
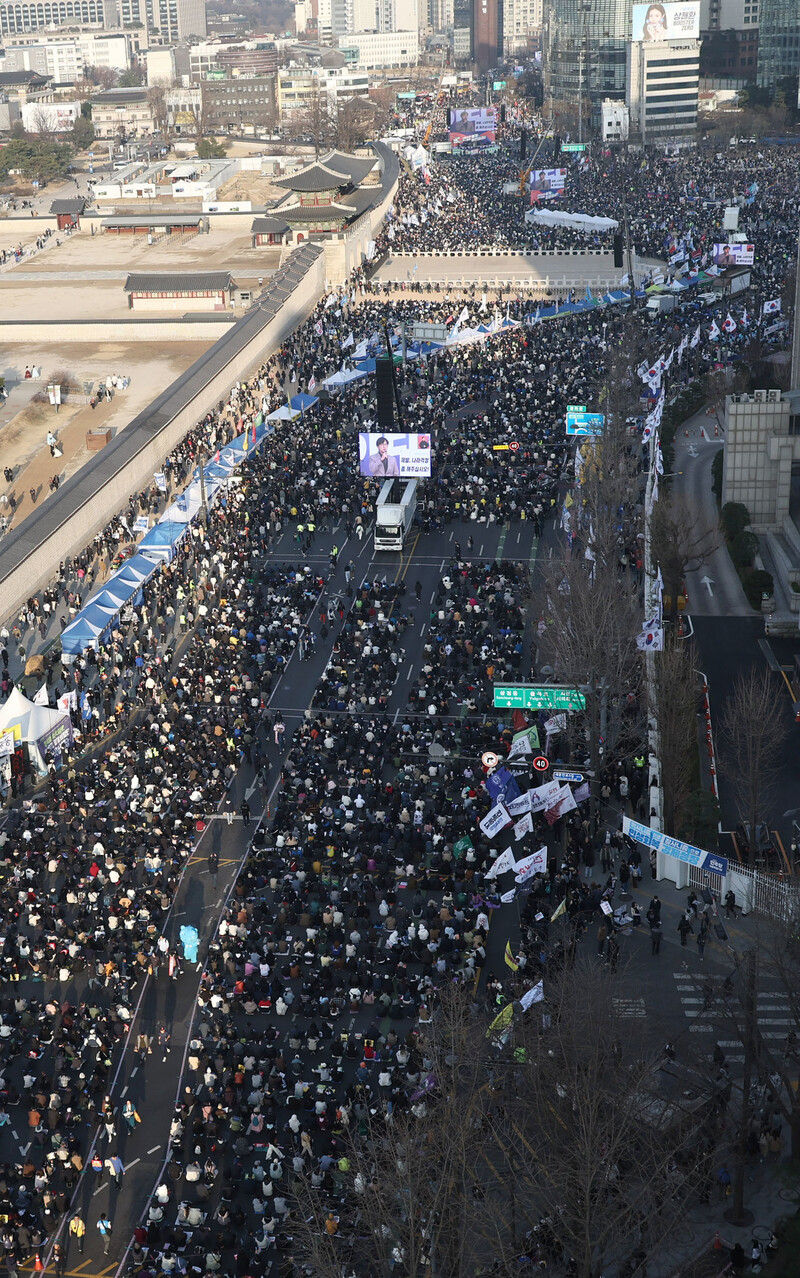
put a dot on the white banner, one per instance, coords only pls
(520, 805)
(535, 864)
(536, 995)
(545, 796)
(7, 747)
(565, 801)
(524, 826)
(42, 697)
(494, 821)
(504, 862)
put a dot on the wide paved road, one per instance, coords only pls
(154, 1086)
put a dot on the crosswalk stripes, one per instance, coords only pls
(774, 1015)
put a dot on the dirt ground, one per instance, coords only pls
(84, 275)
(24, 425)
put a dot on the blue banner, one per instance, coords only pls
(502, 786)
(710, 861)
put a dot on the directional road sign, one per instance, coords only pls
(572, 148)
(568, 776)
(585, 423)
(516, 696)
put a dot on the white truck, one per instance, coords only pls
(660, 304)
(394, 513)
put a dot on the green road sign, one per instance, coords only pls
(515, 696)
(572, 147)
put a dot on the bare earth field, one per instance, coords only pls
(24, 425)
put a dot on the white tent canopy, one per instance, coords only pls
(41, 727)
(578, 221)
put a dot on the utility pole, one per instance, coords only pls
(628, 253)
(201, 461)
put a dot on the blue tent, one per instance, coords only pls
(134, 571)
(90, 622)
(160, 542)
(302, 402)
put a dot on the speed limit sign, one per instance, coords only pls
(541, 763)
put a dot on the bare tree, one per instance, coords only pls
(43, 123)
(157, 101)
(593, 599)
(546, 1136)
(681, 540)
(752, 737)
(675, 711)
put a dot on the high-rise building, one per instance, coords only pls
(18, 16)
(778, 41)
(487, 40)
(440, 15)
(176, 19)
(585, 52)
(663, 83)
(462, 30)
(520, 19)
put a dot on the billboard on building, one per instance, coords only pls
(669, 21)
(733, 255)
(473, 127)
(384, 456)
(546, 183)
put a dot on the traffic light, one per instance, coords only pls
(618, 248)
(523, 145)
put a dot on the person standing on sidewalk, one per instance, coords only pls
(684, 927)
(702, 937)
(59, 1259)
(163, 1042)
(104, 1230)
(78, 1230)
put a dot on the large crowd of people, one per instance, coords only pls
(365, 887)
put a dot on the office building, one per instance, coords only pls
(50, 117)
(376, 49)
(440, 15)
(463, 20)
(663, 85)
(173, 20)
(778, 41)
(122, 113)
(615, 121)
(65, 57)
(353, 15)
(234, 105)
(19, 16)
(585, 53)
(729, 31)
(520, 19)
(299, 88)
(487, 38)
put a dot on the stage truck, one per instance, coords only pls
(394, 513)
